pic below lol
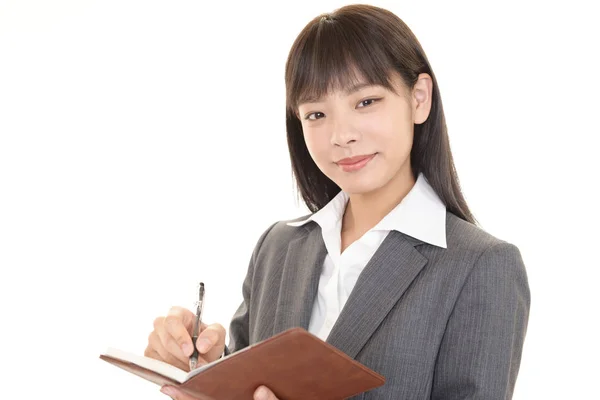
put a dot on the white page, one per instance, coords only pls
(162, 367)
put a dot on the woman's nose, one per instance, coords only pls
(343, 133)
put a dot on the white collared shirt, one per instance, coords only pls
(421, 214)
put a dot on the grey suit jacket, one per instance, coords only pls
(437, 323)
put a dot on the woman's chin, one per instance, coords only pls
(359, 186)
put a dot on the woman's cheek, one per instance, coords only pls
(317, 145)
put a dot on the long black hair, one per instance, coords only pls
(367, 40)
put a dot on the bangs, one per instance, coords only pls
(335, 55)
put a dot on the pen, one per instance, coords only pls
(199, 307)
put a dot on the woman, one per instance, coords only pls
(390, 267)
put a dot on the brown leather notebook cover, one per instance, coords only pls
(294, 364)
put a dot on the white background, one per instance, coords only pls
(142, 149)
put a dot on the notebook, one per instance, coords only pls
(294, 364)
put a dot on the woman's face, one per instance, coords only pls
(361, 139)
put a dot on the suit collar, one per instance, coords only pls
(300, 279)
(421, 214)
(384, 279)
(379, 287)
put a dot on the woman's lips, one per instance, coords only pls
(355, 163)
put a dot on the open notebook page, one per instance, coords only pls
(158, 366)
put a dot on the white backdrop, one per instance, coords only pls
(142, 149)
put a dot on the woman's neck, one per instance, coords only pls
(365, 210)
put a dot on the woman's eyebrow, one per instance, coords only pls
(348, 91)
(355, 88)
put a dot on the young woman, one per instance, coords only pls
(390, 266)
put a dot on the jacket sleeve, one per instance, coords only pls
(239, 330)
(480, 353)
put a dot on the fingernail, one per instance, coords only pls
(261, 394)
(187, 349)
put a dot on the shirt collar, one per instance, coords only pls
(421, 214)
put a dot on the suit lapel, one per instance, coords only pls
(300, 279)
(379, 287)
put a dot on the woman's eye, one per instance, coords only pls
(315, 115)
(367, 102)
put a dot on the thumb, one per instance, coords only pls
(264, 393)
(211, 342)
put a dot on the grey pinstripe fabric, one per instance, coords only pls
(437, 323)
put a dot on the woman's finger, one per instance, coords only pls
(264, 393)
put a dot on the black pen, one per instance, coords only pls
(199, 307)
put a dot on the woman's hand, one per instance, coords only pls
(262, 393)
(171, 339)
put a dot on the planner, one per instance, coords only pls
(294, 364)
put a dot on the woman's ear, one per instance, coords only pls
(421, 97)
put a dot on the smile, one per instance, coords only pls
(355, 163)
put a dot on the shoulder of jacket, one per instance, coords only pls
(462, 235)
